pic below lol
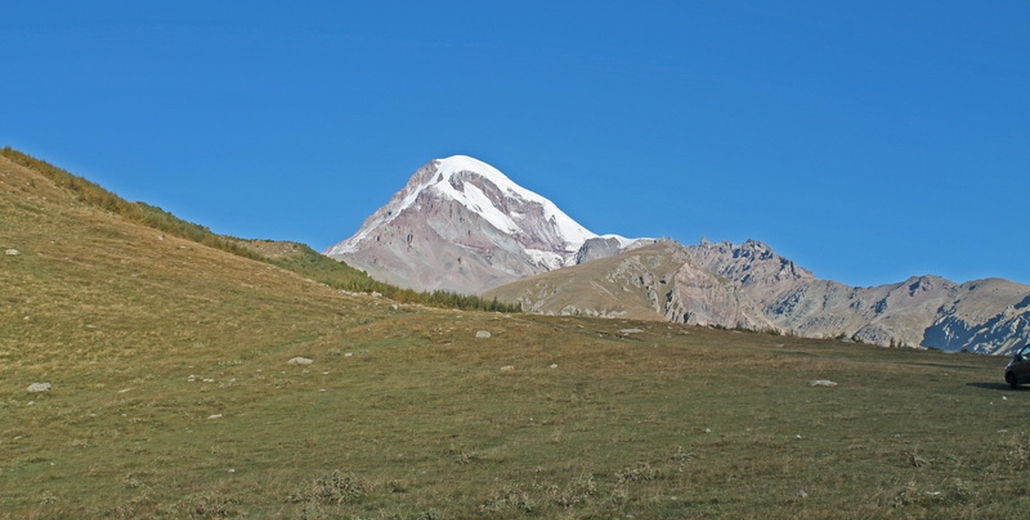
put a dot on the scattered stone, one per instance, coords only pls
(13, 252)
(299, 360)
(554, 365)
(39, 387)
(916, 461)
(348, 354)
(801, 494)
(191, 378)
(822, 382)
(215, 416)
(707, 430)
(483, 334)
(627, 332)
(507, 368)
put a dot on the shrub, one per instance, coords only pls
(336, 488)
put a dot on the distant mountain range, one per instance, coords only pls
(461, 225)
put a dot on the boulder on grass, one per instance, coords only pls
(39, 387)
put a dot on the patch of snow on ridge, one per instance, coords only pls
(463, 163)
(473, 198)
(623, 241)
(547, 259)
(571, 231)
(439, 179)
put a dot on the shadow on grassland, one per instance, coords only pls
(993, 386)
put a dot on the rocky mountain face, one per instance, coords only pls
(463, 226)
(749, 286)
(657, 281)
(988, 316)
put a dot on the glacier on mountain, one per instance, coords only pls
(484, 228)
(447, 184)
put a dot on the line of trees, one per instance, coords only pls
(314, 265)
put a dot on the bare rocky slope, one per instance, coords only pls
(749, 286)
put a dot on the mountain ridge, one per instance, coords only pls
(462, 225)
(717, 285)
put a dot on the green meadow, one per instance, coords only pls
(173, 395)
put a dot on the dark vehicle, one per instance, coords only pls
(1017, 371)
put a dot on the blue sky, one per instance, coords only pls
(867, 142)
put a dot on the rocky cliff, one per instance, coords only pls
(749, 286)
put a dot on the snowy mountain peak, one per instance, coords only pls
(456, 164)
(491, 194)
(465, 214)
(482, 189)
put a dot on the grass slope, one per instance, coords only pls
(291, 256)
(173, 398)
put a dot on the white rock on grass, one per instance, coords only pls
(822, 382)
(39, 387)
(483, 334)
(300, 360)
(13, 252)
(507, 368)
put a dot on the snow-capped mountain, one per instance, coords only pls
(461, 225)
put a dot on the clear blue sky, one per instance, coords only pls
(867, 142)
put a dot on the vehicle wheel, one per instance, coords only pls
(1010, 378)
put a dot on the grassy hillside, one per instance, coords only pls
(173, 397)
(292, 256)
